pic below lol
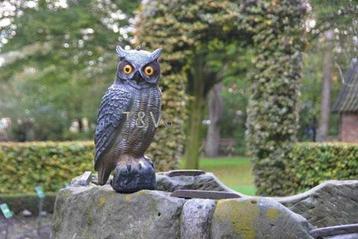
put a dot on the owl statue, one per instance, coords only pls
(127, 120)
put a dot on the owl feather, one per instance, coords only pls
(111, 116)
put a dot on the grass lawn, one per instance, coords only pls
(235, 172)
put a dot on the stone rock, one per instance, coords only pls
(97, 212)
(83, 180)
(168, 183)
(196, 218)
(205, 181)
(256, 218)
(329, 204)
(347, 236)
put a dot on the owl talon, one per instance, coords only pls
(132, 178)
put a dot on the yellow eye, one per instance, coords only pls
(127, 69)
(149, 70)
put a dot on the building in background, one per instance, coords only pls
(347, 105)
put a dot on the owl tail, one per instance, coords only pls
(134, 176)
(104, 171)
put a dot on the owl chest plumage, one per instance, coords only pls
(136, 132)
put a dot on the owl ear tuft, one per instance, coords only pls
(121, 52)
(156, 54)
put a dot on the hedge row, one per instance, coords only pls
(50, 164)
(273, 104)
(309, 164)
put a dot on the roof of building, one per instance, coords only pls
(347, 100)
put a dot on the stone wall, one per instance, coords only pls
(97, 212)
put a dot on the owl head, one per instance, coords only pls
(137, 67)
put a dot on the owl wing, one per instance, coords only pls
(111, 115)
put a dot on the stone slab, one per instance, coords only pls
(196, 218)
(331, 203)
(257, 218)
(97, 212)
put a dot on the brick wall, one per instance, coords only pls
(349, 127)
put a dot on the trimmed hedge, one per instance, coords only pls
(273, 105)
(186, 28)
(310, 164)
(50, 164)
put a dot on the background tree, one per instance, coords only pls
(66, 59)
(326, 88)
(187, 30)
(323, 61)
(235, 93)
(198, 35)
(215, 111)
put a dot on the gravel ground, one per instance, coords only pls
(20, 227)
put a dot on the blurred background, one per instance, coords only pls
(57, 57)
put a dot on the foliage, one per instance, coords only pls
(340, 18)
(273, 104)
(310, 97)
(235, 95)
(187, 29)
(65, 58)
(50, 164)
(272, 110)
(310, 164)
(191, 34)
(307, 165)
(339, 15)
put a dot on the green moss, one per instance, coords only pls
(241, 214)
(89, 216)
(272, 213)
(127, 197)
(102, 201)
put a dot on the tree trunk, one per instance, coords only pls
(196, 111)
(80, 125)
(326, 89)
(215, 108)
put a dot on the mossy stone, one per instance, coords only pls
(255, 218)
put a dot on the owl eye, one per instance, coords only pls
(148, 70)
(127, 69)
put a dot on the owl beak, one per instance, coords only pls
(137, 77)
